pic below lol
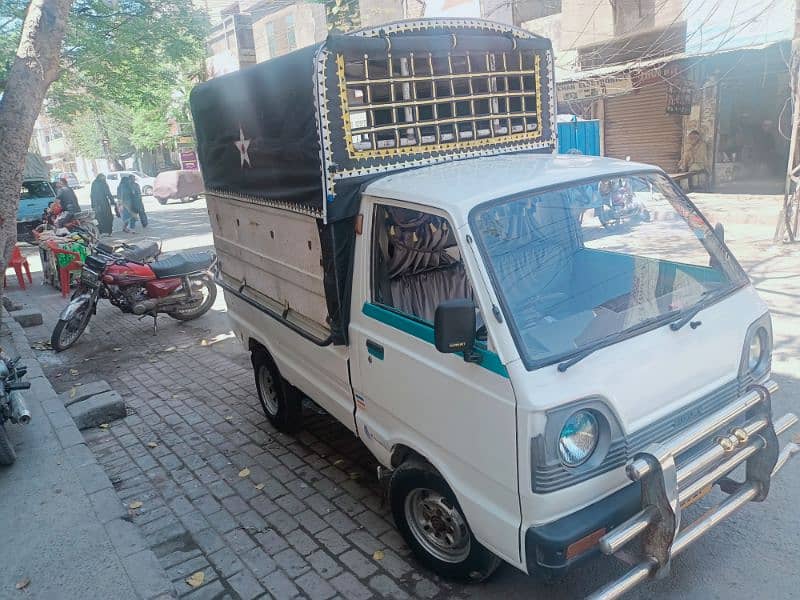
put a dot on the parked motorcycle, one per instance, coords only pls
(619, 203)
(181, 286)
(12, 404)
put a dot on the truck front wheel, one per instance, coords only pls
(281, 402)
(428, 516)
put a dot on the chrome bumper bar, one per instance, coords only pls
(667, 488)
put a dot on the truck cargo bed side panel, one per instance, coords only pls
(274, 252)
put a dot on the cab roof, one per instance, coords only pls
(456, 187)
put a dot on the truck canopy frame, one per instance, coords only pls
(306, 131)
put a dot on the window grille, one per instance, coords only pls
(420, 102)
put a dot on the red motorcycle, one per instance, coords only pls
(182, 286)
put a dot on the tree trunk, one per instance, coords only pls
(35, 67)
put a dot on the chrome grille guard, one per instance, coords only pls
(667, 487)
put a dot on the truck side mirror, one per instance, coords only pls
(454, 328)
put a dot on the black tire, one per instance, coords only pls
(281, 402)
(415, 482)
(7, 453)
(67, 332)
(162, 201)
(147, 190)
(193, 313)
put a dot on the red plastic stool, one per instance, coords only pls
(18, 262)
(75, 264)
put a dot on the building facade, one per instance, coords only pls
(252, 31)
(652, 71)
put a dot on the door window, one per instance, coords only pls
(416, 262)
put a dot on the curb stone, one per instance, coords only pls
(145, 573)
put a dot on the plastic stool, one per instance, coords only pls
(19, 262)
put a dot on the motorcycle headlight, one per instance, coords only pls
(578, 438)
(757, 348)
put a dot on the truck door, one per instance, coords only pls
(459, 416)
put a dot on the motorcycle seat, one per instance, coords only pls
(140, 253)
(182, 263)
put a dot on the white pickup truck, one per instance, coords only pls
(399, 244)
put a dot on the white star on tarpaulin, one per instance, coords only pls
(243, 144)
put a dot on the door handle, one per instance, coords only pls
(375, 349)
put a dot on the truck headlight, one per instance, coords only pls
(757, 349)
(578, 438)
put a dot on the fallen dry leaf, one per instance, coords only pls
(259, 486)
(244, 472)
(103, 425)
(196, 579)
(204, 342)
(355, 476)
(72, 392)
(338, 462)
(378, 555)
(152, 445)
(23, 583)
(117, 349)
(229, 418)
(135, 504)
(170, 349)
(73, 371)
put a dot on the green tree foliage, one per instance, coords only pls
(122, 62)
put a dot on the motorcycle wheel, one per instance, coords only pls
(209, 292)
(7, 453)
(67, 331)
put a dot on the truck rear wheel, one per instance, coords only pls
(281, 401)
(428, 516)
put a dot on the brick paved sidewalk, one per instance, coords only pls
(305, 521)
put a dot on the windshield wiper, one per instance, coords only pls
(688, 315)
(579, 355)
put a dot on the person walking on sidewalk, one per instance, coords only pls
(137, 200)
(102, 200)
(126, 197)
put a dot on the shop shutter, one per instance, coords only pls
(638, 125)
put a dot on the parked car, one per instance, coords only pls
(185, 186)
(145, 182)
(72, 180)
(35, 196)
(536, 389)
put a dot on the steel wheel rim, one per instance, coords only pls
(269, 393)
(70, 333)
(437, 525)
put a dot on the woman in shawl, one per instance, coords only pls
(101, 204)
(127, 196)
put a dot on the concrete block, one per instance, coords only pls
(28, 317)
(81, 392)
(98, 409)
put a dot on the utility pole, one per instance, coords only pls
(788, 216)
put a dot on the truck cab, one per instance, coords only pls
(549, 356)
(35, 196)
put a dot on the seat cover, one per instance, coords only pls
(141, 252)
(182, 263)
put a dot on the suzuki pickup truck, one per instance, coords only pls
(399, 244)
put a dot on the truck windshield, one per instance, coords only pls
(585, 263)
(36, 189)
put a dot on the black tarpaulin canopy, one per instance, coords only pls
(307, 130)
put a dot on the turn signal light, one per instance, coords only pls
(587, 542)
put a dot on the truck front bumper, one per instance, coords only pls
(641, 524)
